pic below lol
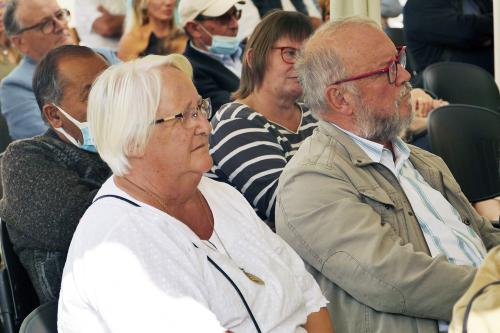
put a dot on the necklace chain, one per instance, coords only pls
(153, 195)
(208, 214)
(210, 218)
(252, 277)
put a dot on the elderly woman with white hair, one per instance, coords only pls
(163, 248)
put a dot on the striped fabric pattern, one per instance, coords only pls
(249, 152)
(444, 231)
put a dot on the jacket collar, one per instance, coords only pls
(356, 154)
(360, 159)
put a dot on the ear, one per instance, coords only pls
(52, 115)
(249, 57)
(193, 29)
(339, 100)
(19, 43)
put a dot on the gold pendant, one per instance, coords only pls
(253, 278)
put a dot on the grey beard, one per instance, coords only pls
(373, 127)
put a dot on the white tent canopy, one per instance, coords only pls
(343, 8)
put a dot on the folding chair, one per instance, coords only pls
(41, 320)
(461, 83)
(467, 138)
(17, 295)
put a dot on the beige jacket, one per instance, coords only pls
(484, 316)
(350, 220)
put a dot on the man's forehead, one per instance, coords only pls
(363, 44)
(79, 69)
(32, 11)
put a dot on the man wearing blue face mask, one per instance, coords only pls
(51, 179)
(213, 48)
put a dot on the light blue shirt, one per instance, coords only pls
(18, 103)
(231, 62)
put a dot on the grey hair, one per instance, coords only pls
(122, 106)
(319, 64)
(12, 25)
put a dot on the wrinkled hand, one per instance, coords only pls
(422, 103)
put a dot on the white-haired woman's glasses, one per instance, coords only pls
(203, 109)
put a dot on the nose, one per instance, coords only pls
(403, 75)
(203, 126)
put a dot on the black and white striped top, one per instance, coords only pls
(249, 152)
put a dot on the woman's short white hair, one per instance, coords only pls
(122, 106)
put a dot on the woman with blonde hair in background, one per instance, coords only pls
(152, 30)
(10, 57)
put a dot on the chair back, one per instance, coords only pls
(461, 83)
(41, 320)
(397, 35)
(1, 185)
(4, 134)
(467, 138)
(17, 297)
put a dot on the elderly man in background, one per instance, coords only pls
(213, 49)
(35, 27)
(392, 240)
(50, 180)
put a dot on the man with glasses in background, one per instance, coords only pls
(35, 27)
(391, 239)
(213, 48)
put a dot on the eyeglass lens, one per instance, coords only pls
(289, 54)
(50, 25)
(393, 69)
(226, 18)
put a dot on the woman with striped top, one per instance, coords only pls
(256, 135)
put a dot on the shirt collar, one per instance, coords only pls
(375, 150)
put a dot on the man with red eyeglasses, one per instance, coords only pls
(35, 27)
(391, 238)
(213, 48)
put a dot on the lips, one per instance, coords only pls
(203, 145)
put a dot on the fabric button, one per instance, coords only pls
(410, 213)
(466, 221)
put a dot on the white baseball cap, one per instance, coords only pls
(190, 9)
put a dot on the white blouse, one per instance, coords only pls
(137, 269)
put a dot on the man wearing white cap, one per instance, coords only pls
(213, 49)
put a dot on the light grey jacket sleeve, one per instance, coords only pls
(321, 215)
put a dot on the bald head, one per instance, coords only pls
(345, 49)
(331, 54)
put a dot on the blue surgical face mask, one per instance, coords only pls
(225, 45)
(88, 142)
